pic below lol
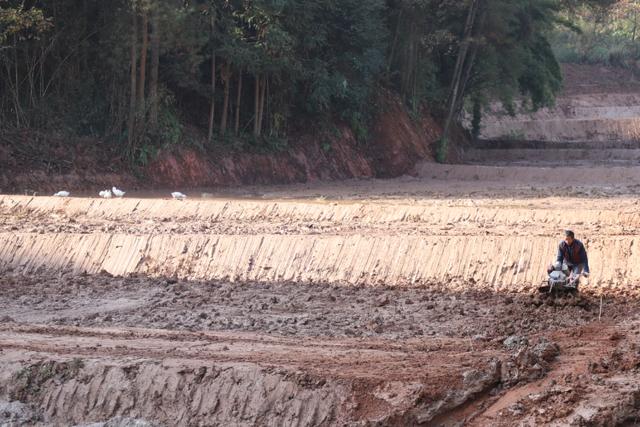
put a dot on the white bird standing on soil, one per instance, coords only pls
(62, 194)
(105, 194)
(178, 195)
(117, 192)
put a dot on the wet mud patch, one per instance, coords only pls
(102, 349)
(294, 309)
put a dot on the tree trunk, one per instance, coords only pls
(256, 120)
(41, 65)
(458, 70)
(225, 74)
(155, 65)
(31, 66)
(413, 72)
(16, 89)
(133, 77)
(263, 92)
(466, 74)
(143, 60)
(85, 31)
(395, 40)
(468, 66)
(238, 100)
(212, 109)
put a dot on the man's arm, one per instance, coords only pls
(584, 259)
(560, 257)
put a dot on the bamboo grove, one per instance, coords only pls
(144, 72)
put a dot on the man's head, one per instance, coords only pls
(569, 237)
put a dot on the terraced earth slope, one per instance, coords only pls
(598, 104)
(502, 245)
(400, 302)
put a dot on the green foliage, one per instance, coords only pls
(326, 146)
(18, 23)
(514, 58)
(144, 154)
(275, 144)
(605, 33)
(170, 128)
(360, 127)
(420, 54)
(170, 132)
(69, 68)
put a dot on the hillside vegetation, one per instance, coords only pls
(606, 34)
(142, 75)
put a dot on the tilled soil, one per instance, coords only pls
(139, 351)
(376, 303)
(293, 309)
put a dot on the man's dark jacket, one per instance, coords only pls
(575, 254)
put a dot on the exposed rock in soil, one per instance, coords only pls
(16, 413)
(474, 383)
(528, 362)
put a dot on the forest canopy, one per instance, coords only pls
(606, 33)
(138, 72)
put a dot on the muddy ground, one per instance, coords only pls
(140, 351)
(293, 309)
(89, 346)
(403, 302)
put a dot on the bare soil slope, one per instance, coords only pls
(500, 245)
(35, 162)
